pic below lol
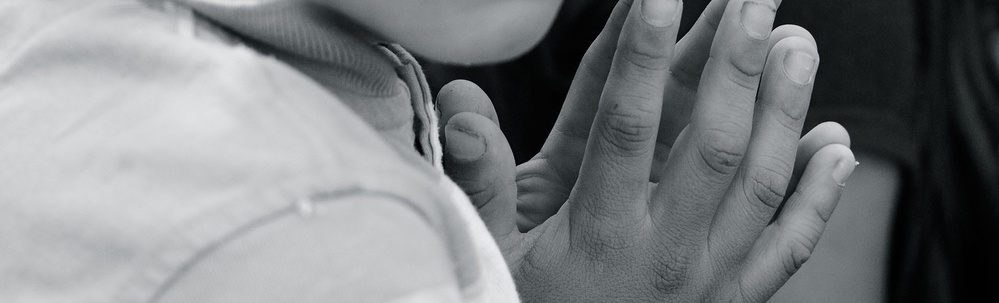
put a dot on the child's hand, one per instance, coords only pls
(636, 220)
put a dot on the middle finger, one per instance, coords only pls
(700, 170)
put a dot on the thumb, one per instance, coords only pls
(460, 96)
(476, 154)
(478, 158)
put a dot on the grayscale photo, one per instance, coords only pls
(499, 151)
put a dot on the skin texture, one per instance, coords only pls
(619, 206)
(460, 32)
(849, 264)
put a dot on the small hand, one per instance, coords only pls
(699, 230)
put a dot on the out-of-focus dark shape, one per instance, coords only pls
(946, 239)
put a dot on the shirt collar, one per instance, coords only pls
(381, 82)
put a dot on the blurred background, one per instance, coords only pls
(916, 82)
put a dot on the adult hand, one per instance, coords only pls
(638, 220)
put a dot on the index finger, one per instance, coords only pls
(565, 144)
(563, 150)
(613, 177)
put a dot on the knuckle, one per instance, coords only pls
(606, 248)
(744, 80)
(798, 243)
(746, 68)
(629, 129)
(794, 111)
(822, 213)
(768, 186)
(611, 240)
(722, 151)
(825, 213)
(670, 274)
(790, 126)
(799, 250)
(648, 53)
(480, 192)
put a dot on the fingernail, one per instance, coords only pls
(660, 13)
(843, 170)
(757, 19)
(464, 145)
(799, 67)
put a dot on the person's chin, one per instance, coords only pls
(490, 34)
(475, 51)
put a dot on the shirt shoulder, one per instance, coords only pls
(360, 248)
(130, 132)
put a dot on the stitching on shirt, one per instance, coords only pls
(292, 209)
(183, 249)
